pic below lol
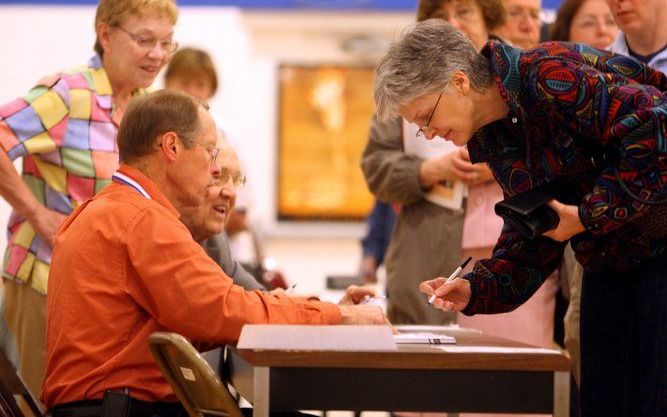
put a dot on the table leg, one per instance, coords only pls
(261, 403)
(561, 394)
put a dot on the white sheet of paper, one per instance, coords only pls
(417, 328)
(448, 195)
(497, 349)
(424, 338)
(301, 337)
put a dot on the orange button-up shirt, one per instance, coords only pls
(123, 267)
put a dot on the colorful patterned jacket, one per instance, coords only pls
(66, 134)
(581, 115)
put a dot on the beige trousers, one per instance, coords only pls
(25, 314)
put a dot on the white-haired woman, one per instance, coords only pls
(566, 112)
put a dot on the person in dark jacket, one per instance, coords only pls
(588, 118)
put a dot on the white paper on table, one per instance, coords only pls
(424, 338)
(302, 337)
(418, 328)
(448, 194)
(498, 349)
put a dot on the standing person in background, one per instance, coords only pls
(380, 224)
(65, 131)
(522, 28)
(585, 21)
(643, 33)
(589, 22)
(192, 71)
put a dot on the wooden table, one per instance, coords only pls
(413, 378)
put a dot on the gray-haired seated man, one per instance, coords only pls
(207, 221)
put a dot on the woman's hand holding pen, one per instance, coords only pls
(451, 295)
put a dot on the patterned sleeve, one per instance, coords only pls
(627, 120)
(29, 124)
(513, 274)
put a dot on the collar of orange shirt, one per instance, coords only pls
(148, 185)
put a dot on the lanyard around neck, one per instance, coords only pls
(125, 180)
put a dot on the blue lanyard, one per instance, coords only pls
(124, 179)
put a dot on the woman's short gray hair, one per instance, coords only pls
(423, 62)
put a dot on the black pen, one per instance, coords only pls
(451, 277)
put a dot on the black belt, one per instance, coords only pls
(93, 408)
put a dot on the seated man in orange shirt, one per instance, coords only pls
(124, 266)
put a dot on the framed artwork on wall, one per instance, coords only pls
(324, 113)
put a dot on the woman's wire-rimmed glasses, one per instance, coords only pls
(423, 129)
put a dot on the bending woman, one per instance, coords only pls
(570, 112)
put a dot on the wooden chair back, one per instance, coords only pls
(192, 379)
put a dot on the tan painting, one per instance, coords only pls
(325, 113)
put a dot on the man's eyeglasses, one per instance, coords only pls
(147, 42)
(213, 152)
(421, 131)
(237, 178)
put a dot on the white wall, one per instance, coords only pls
(40, 40)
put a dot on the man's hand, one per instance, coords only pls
(362, 314)
(569, 224)
(450, 296)
(355, 294)
(46, 223)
